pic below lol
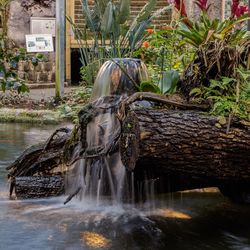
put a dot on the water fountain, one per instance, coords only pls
(98, 174)
(154, 142)
(119, 76)
(99, 171)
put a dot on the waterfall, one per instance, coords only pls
(98, 174)
(112, 79)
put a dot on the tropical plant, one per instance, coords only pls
(221, 46)
(167, 83)
(107, 32)
(166, 57)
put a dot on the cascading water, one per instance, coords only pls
(116, 77)
(98, 174)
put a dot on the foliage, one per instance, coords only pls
(221, 53)
(228, 96)
(73, 102)
(204, 30)
(108, 33)
(9, 57)
(167, 84)
(166, 57)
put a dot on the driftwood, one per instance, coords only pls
(38, 170)
(181, 147)
(38, 186)
(42, 158)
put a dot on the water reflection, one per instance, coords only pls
(191, 220)
(95, 240)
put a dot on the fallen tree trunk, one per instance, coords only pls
(187, 142)
(182, 150)
(159, 144)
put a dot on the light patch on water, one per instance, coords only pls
(95, 240)
(170, 213)
(202, 190)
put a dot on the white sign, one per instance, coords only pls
(39, 43)
(43, 25)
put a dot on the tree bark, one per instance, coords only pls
(38, 186)
(188, 143)
(182, 149)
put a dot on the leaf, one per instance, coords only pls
(124, 11)
(146, 10)
(89, 19)
(227, 80)
(149, 87)
(169, 81)
(23, 88)
(209, 35)
(107, 19)
(143, 16)
(160, 12)
(195, 92)
(138, 35)
(40, 56)
(244, 74)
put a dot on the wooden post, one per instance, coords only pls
(60, 48)
(69, 4)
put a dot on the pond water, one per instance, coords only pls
(187, 220)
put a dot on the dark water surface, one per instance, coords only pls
(192, 220)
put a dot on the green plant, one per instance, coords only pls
(204, 30)
(107, 32)
(167, 84)
(10, 57)
(220, 47)
(228, 96)
(166, 56)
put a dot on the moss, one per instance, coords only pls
(30, 116)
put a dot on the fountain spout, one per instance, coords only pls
(119, 76)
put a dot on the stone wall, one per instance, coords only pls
(44, 72)
(18, 27)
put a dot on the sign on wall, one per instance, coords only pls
(43, 25)
(39, 43)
